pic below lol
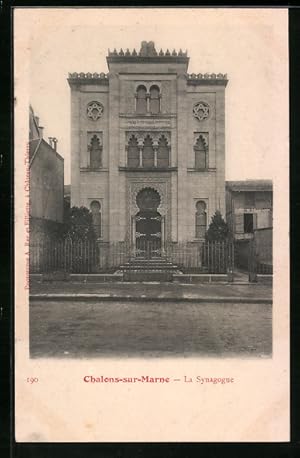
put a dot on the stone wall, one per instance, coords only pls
(47, 184)
(181, 185)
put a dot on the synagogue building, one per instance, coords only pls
(148, 147)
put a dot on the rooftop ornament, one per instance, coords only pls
(89, 76)
(207, 76)
(147, 50)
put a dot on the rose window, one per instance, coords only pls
(94, 110)
(201, 111)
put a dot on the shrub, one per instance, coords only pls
(218, 229)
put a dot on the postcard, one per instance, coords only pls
(151, 225)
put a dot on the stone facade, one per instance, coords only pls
(148, 124)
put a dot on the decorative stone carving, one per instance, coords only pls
(137, 187)
(162, 186)
(154, 135)
(204, 136)
(87, 76)
(147, 50)
(94, 110)
(201, 111)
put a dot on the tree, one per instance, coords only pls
(79, 223)
(218, 229)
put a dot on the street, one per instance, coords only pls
(74, 329)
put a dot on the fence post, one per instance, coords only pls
(230, 261)
(252, 267)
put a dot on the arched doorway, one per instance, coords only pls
(148, 224)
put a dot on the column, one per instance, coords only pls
(155, 155)
(163, 235)
(133, 223)
(141, 156)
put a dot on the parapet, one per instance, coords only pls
(207, 78)
(91, 78)
(148, 53)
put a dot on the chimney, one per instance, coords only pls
(41, 131)
(50, 141)
(54, 143)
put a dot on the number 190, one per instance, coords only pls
(32, 380)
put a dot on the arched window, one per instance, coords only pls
(154, 100)
(163, 153)
(141, 100)
(133, 154)
(148, 152)
(200, 150)
(95, 150)
(96, 215)
(200, 219)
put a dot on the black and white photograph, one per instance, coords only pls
(157, 146)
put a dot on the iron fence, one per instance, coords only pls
(255, 255)
(206, 257)
(89, 256)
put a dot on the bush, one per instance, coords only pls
(79, 223)
(218, 229)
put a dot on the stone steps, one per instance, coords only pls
(171, 268)
(155, 269)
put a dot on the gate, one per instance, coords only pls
(148, 234)
(253, 256)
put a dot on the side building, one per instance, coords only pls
(249, 214)
(249, 207)
(46, 181)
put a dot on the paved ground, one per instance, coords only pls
(213, 291)
(72, 329)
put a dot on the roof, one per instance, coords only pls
(33, 146)
(147, 50)
(250, 185)
(148, 54)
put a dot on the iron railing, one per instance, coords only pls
(90, 256)
(255, 255)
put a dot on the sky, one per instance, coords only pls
(250, 45)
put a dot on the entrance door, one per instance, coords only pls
(148, 234)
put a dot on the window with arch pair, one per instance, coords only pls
(142, 98)
(147, 155)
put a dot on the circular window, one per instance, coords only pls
(201, 110)
(94, 110)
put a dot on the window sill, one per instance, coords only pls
(193, 169)
(243, 235)
(93, 169)
(147, 115)
(148, 169)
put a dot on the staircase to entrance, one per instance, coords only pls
(153, 269)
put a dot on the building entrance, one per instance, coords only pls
(148, 234)
(148, 224)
